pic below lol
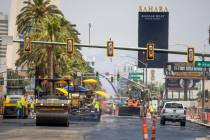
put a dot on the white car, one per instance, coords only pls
(174, 112)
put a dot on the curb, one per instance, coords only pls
(200, 123)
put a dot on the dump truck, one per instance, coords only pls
(52, 107)
(131, 107)
(14, 93)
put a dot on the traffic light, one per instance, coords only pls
(27, 44)
(112, 79)
(118, 76)
(190, 55)
(70, 46)
(97, 75)
(150, 51)
(110, 48)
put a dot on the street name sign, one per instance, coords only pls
(135, 75)
(202, 64)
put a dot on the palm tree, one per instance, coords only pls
(53, 29)
(34, 12)
(48, 24)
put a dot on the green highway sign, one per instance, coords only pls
(135, 75)
(202, 64)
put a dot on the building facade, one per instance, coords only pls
(3, 32)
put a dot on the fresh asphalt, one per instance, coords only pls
(110, 128)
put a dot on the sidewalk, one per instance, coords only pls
(199, 122)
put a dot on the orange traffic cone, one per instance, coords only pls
(145, 131)
(153, 128)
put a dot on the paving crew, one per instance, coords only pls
(97, 105)
(114, 107)
(151, 109)
(32, 104)
(19, 106)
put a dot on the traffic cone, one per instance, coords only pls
(153, 127)
(145, 131)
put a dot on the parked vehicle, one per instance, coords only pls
(173, 112)
(14, 93)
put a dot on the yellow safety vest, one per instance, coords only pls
(32, 105)
(151, 108)
(97, 105)
(19, 104)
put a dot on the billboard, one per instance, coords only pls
(178, 84)
(153, 27)
(183, 70)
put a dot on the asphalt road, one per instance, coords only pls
(110, 128)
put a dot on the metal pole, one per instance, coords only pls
(203, 84)
(146, 74)
(143, 76)
(89, 25)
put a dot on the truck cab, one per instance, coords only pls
(14, 93)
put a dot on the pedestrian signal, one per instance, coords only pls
(70, 46)
(110, 48)
(27, 44)
(190, 55)
(150, 51)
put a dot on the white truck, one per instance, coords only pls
(173, 112)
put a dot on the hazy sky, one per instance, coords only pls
(189, 21)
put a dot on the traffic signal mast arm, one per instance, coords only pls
(117, 48)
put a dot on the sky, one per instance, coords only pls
(189, 21)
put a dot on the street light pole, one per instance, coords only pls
(89, 25)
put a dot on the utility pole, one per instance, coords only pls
(203, 84)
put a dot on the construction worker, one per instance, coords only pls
(114, 107)
(151, 109)
(97, 105)
(19, 109)
(32, 104)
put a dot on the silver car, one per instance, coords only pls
(173, 112)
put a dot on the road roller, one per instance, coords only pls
(131, 106)
(52, 107)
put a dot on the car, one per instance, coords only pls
(173, 112)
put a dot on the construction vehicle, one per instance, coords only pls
(52, 107)
(132, 106)
(82, 106)
(83, 101)
(14, 93)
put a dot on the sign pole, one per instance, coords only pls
(146, 74)
(203, 84)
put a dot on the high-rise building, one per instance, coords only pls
(16, 6)
(3, 32)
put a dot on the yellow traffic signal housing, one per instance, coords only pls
(190, 55)
(150, 51)
(110, 48)
(27, 44)
(70, 46)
